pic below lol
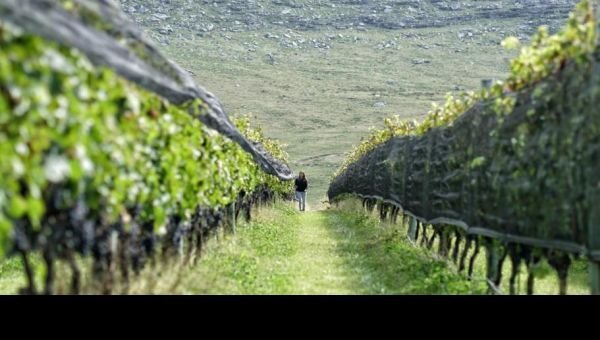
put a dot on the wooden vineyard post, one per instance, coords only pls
(486, 83)
(594, 242)
(492, 260)
(594, 246)
(595, 277)
(231, 217)
(594, 221)
(594, 239)
(412, 228)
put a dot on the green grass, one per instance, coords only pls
(546, 280)
(254, 261)
(388, 264)
(315, 252)
(335, 251)
(12, 274)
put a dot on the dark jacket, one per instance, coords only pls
(301, 184)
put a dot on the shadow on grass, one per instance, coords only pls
(392, 264)
(387, 263)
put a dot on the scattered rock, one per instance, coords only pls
(159, 17)
(421, 61)
(270, 59)
(465, 34)
(165, 30)
(360, 15)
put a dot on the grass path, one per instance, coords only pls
(320, 252)
(283, 251)
(317, 265)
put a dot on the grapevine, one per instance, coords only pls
(86, 154)
(547, 54)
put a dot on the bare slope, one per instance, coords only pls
(318, 74)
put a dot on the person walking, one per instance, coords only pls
(301, 185)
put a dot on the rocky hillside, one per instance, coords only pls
(204, 16)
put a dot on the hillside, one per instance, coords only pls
(318, 74)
